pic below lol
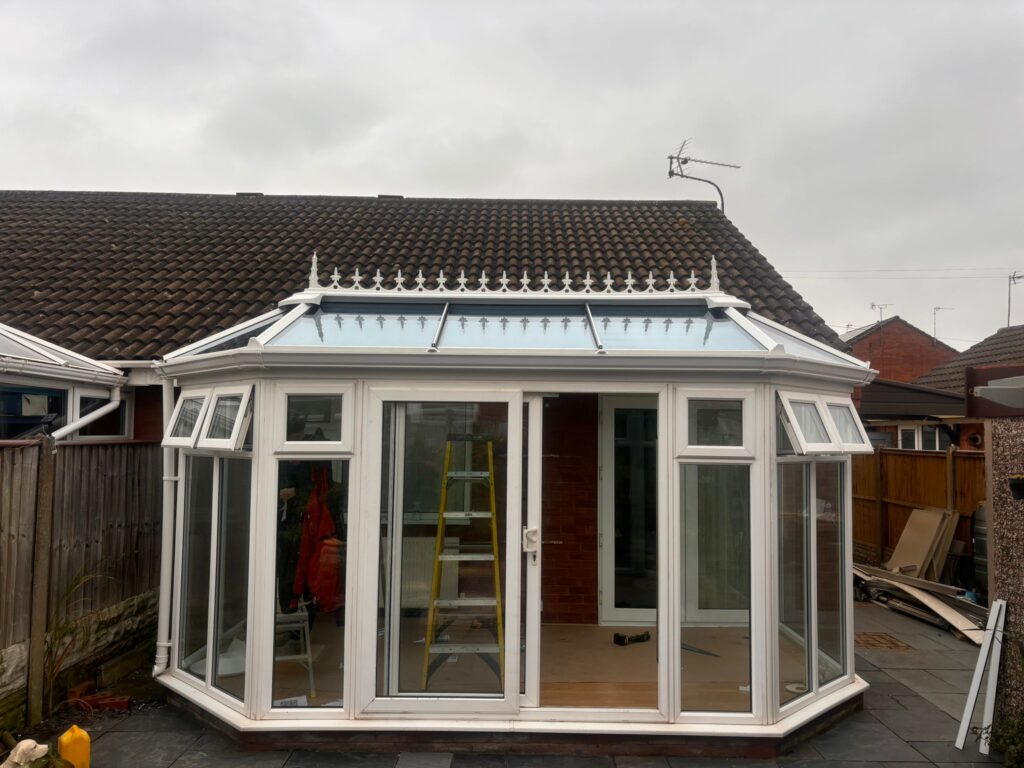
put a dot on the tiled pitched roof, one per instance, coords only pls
(135, 275)
(1004, 347)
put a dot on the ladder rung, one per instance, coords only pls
(458, 602)
(466, 556)
(481, 474)
(464, 648)
(466, 515)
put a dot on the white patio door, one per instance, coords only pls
(628, 557)
(444, 630)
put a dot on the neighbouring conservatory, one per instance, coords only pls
(472, 502)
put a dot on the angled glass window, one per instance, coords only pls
(848, 427)
(363, 325)
(12, 348)
(513, 326)
(183, 428)
(806, 423)
(668, 329)
(227, 418)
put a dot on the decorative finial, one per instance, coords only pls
(588, 282)
(378, 280)
(649, 282)
(545, 282)
(713, 286)
(566, 283)
(357, 280)
(503, 281)
(671, 282)
(314, 278)
(442, 281)
(629, 281)
(692, 280)
(461, 280)
(399, 281)
(420, 281)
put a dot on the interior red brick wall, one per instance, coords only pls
(901, 352)
(569, 509)
(148, 416)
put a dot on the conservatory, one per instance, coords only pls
(583, 504)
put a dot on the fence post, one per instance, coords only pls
(41, 578)
(879, 506)
(950, 478)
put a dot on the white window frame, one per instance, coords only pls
(279, 413)
(75, 406)
(796, 435)
(190, 440)
(845, 402)
(241, 419)
(683, 447)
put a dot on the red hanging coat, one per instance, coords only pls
(319, 550)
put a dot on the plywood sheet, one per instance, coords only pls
(917, 543)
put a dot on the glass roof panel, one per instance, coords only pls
(12, 348)
(238, 340)
(363, 325)
(514, 326)
(669, 328)
(795, 346)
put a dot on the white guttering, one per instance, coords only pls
(163, 622)
(89, 418)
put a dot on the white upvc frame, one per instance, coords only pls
(682, 442)
(238, 427)
(188, 441)
(835, 401)
(206, 685)
(759, 438)
(367, 703)
(327, 388)
(801, 444)
(608, 613)
(75, 407)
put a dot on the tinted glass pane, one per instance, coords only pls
(794, 581)
(944, 441)
(187, 417)
(195, 565)
(111, 424)
(636, 508)
(808, 420)
(314, 418)
(443, 486)
(232, 576)
(715, 422)
(716, 588)
(517, 327)
(846, 423)
(908, 439)
(668, 328)
(27, 411)
(831, 572)
(225, 414)
(312, 551)
(364, 325)
(929, 440)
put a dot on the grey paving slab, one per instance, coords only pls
(635, 761)
(945, 752)
(918, 724)
(875, 700)
(876, 676)
(952, 704)
(960, 679)
(158, 719)
(861, 663)
(919, 641)
(424, 760)
(467, 760)
(718, 762)
(860, 740)
(911, 659)
(132, 749)
(558, 761)
(916, 703)
(302, 759)
(221, 758)
(803, 751)
(922, 680)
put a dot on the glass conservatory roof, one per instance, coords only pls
(23, 353)
(545, 320)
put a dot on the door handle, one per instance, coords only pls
(531, 542)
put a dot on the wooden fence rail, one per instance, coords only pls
(890, 483)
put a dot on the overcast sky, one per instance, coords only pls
(874, 137)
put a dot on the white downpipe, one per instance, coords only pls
(163, 632)
(70, 429)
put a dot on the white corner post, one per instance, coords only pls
(163, 639)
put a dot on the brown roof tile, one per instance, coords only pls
(1004, 347)
(136, 275)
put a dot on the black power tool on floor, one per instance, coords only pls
(621, 639)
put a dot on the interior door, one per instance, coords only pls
(628, 510)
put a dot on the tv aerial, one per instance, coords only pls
(677, 167)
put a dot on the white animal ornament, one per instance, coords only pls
(24, 753)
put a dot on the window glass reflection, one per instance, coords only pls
(188, 415)
(794, 582)
(194, 606)
(314, 418)
(715, 422)
(232, 576)
(831, 571)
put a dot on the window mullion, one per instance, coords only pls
(812, 608)
(211, 608)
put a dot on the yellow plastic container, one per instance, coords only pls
(73, 746)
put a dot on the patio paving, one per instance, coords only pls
(910, 719)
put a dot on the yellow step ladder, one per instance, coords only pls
(445, 614)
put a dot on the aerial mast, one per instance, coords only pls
(680, 159)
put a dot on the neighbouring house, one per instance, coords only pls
(897, 413)
(445, 469)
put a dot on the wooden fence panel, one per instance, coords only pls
(18, 470)
(107, 526)
(891, 483)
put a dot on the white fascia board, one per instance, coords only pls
(369, 295)
(105, 376)
(59, 355)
